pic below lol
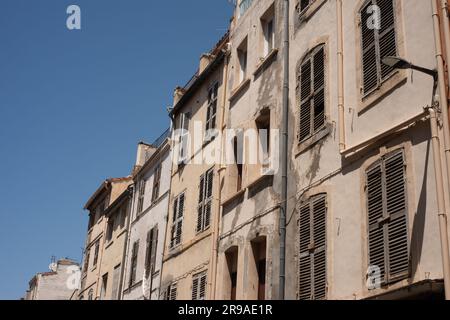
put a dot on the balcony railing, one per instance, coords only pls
(158, 142)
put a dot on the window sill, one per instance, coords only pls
(265, 62)
(315, 138)
(109, 244)
(396, 80)
(179, 249)
(240, 89)
(258, 181)
(233, 197)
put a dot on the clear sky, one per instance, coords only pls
(74, 105)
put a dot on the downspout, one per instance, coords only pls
(127, 240)
(445, 113)
(340, 56)
(284, 154)
(444, 109)
(216, 223)
(440, 201)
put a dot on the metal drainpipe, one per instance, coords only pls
(284, 155)
(440, 201)
(444, 108)
(215, 235)
(340, 57)
(446, 25)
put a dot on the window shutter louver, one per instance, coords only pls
(172, 292)
(195, 288)
(377, 43)
(200, 203)
(312, 93)
(202, 293)
(312, 249)
(205, 201)
(387, 217)
(177, 223)
(209, 194)
(148, 252)
(154, 250)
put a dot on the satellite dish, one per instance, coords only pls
(53, 266)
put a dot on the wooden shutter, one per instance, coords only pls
(312, 249)
(116, 280)
(172, 295)
(148, 252)
(377, 44)
(312, 93)
(209, 193)
(154, 249)
(156, 183)
(202, 193)
(177, 224)
(199, 287)
(387, 217)
(134, 257)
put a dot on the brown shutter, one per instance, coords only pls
(305, 290)
(202, 291)
(387, 217)
(398, 247)
(209, 194)
(148, 252)
(154, 249)
(195, 285)
(305, 102)
(319, 89)
(202, 192)
(388, 46)
(312, 246)
(377, 44)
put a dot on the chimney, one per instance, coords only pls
(205, 60)
(144, 151)
(178, 93)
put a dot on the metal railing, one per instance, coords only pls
(160, 140)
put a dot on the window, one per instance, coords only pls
(377, 43)
(156, 183)
(257, 270)
(134, 260)
(91, 294)
(96, 251)
(91, 220)
(141, 196)
(267, 23)
(312, 267)
(387, 217)
(312, 93)
(150, 254)
(212, 107)
(104, 286)
(123, 216)
(232, 264)
(116, 280)
(243, 6)
(86, 260)
(242, 56)
(110, 229)
(171, 292)
(177, 221)
(205, 201)
(304, 5)
(199, 286)
(238, 159)
(263, 126)
(183, 139)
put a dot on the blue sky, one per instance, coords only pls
(74, 105)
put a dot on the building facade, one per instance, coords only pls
(99, 203)
(58, 284)
(248, 252)
(149, 214)
(193, 208)
(362, 210)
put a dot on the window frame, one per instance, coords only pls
(177, 221)
(309, 58)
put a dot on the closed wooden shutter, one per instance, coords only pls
(134, 258)
(312, 249)
(154, 249)
(199, 286)
(116, 280)
(172, 292)
(205, 201)
(312, 93)
(212, 107)
(377, 43)
(148, 252)
(177, 221)
(387, 217)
